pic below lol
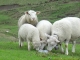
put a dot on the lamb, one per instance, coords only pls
(66, 29)
(44, 27)
(29, 33)
(29, 17)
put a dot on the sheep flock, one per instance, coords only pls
(44, 35)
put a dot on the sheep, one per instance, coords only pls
(29, 17)
(66, 29)
(29, 33)
(44, 27)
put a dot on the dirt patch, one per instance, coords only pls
(8, 7)
(8, 37)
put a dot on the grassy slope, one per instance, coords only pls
(20, 2)
(49, 10)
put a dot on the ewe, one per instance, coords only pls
(66, 29)
(29, 17)
(31, 34)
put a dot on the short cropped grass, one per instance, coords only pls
(11, 51)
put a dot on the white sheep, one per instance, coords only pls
(66, 29)
(29, 33)
(29, 17)
(44, 27)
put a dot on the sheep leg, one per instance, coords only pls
(73, 47)
(66, 46)
(62, 50)
(20, 42)
(29, 45)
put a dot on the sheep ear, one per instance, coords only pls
(48, 41)
(38, 12)
(52, 42)
(42, 41)
(55, 36)
(47, 36)
(26, 12)
(57, 41)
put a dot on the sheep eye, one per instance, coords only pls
(41, 39)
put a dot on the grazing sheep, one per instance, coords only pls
(29, 33)
(29, 17)
(44, 27)
(66, 29)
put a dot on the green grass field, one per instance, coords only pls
(11, 51)
(51, 10)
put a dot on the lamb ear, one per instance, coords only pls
(38, 12)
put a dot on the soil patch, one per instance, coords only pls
(8, 7)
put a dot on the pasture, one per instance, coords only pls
(52, 10)
(10, 51)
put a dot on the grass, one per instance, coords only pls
(52, 11)
(20, 2)
(11, 51)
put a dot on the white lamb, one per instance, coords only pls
(29, 33)
(29, 17)
(66, 29)
(44, 27)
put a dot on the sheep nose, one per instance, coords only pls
(33, 19)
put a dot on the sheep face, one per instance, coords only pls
(32, 15)
(43, 44)
(43, 41)
(36, 45)
(52, 42)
